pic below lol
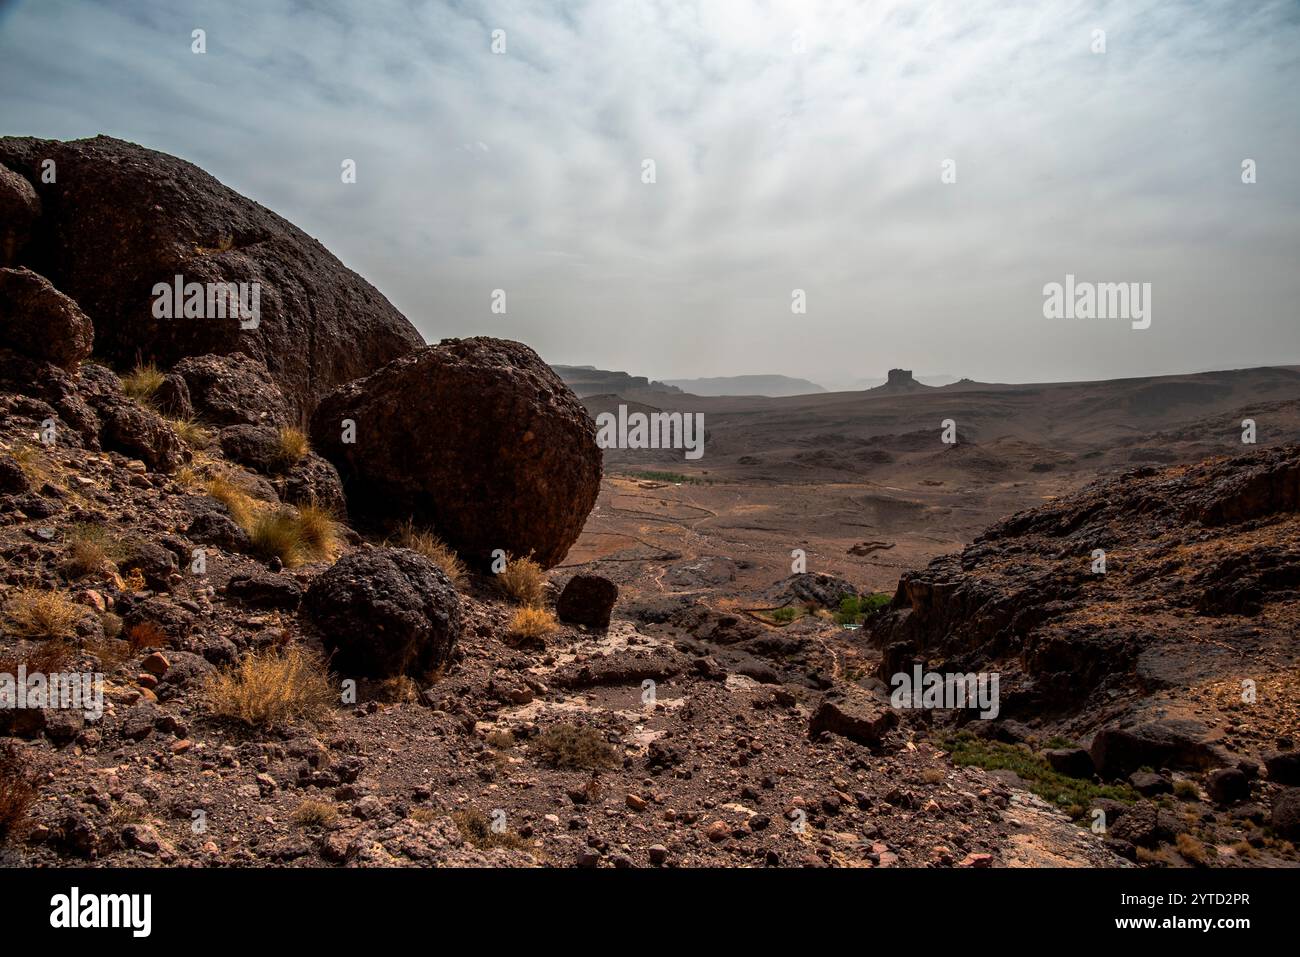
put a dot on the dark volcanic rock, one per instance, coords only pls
(265, 590)
(1283, 767)
(173, 397)
(1172, 742)
(122, 218)
(854, 714)
(1228, 786)
(257, 446)
(13, 480)
(587, 600)
(1072, 762)
(233, 390)
(127, 427)
(1286, 814)
(385, 612)
(38, 320)
(313, 481)
(477, 438)
(19, 209)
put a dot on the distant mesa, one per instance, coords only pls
(899, 381)
(588, 381)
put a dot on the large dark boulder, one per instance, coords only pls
(126, 426)
(19, 209)
(120, 218)
(477, 438)
(39, 321)
(1285, 818)
(1170, 742)
(587, 600)
(385, 612)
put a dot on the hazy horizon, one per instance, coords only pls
(797, 146)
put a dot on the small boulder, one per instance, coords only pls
(265, 590)
(1228, 786)
(587, 600)
(172, 397)
(232, 390)
(1072, 762)
(20, 207)
(854, 714)
(39, 321)
(1283, 767)
(1286, 814)
(1149, 784)
(385, 612)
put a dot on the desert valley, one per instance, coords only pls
(328, 633)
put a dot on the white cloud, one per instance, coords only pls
(775, 170)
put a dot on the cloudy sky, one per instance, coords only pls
(798, 144)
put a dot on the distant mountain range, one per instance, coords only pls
(776, 386)
(588, 380)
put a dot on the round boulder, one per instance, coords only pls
(587, 600)
(19, 209)
(385, 612)
(39, 321)
(477, 438)
(232, 390)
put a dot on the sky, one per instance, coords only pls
(799, 145)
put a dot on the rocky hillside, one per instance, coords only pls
(1153, 617)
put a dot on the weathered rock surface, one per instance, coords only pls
(233, 390)
(121, 218)
(39, 321)
(385, 612)
(476, 438)
(19, 209)
(854, 714)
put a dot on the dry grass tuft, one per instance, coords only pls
(576, 747)
(41, 613)
(146, 634)
(271, 688)
(238, 503)
(523, 580)
(1193, 850)
(313, 813)
(17, 791)
(305, 535)
(320, 533)
(89, 547)
(531, 624)
(293, 448)
(433, 548)
(476, 829)
(142, 382)
(191, 433)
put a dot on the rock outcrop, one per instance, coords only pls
(119, 218)
(587, 600)
(19, 209)
(1105, 588)
(476, 438)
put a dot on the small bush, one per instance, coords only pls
(784, 615)
(476, 829)
(313, 813)
(17, 792)
(1186, 790)
(292, 448)
(576, 747)
(501, 740)
(854, 609)
(433, 548)
(142, 382)
(532, 623)
(40, 613)
(146, 634)
(89, 547)
(523, 580)
(271, 688)
(47, 657)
